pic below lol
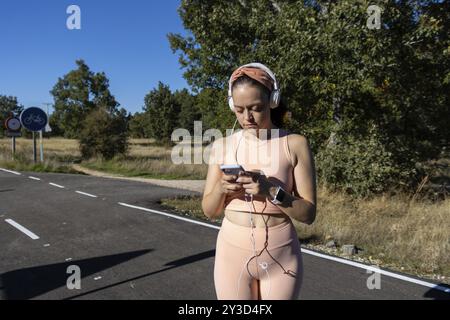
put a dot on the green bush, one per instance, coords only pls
(363, 165)
(104, 134)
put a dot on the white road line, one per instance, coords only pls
(170, 215)
(324, 256)
(22, 228)
(378, 270)
(86, 194)
(34, 178)
(9, 171)
(56, 185)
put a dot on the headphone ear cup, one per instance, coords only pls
(274, 99)
(231, 103)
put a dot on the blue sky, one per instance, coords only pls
(125, 39)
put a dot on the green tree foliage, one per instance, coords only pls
(189, 111)
(8, 106)
(161, 114)
(78, 93)
(339, 77)
(137, 126)
(104, 133)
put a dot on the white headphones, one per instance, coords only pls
(275, 95)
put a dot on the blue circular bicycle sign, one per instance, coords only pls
(33, 119)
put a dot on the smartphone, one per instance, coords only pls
(231, 169)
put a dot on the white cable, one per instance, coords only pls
(251, 239)
(240, 276)
(263, 264)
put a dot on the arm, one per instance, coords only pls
(213, 198)
(218, 185)
(302, 205)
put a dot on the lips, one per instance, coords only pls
(250, 125)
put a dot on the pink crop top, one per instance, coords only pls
(269, 156)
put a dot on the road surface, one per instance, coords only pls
(124, 250)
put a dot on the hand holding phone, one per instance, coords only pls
(231, 169)
(231, 173)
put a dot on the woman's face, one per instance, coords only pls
(251, 106)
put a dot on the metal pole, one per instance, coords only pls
(34, 147)
(41, 146)
(13, 141)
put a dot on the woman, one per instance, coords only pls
(258, 254)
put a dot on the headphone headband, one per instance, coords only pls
(274, 95)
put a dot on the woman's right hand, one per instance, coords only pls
(229, 185)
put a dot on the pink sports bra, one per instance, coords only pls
(270, 157)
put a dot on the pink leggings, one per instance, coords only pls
(234, 248)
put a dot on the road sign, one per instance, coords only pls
(13, 124)
(34, 119)
(13, 133)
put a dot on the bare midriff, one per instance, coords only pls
(242, 218)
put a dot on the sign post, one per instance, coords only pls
(13, 127)
(34, 119)
(34, 147)
(41, 147)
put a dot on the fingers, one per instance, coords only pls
(228, 187)
(229, 178)
(244, 179)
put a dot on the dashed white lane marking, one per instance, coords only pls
(323, 256)
(56, 185)
(22, 229)
(86, 194)
(170, 215)
(10, 171)
(34, 178)
(97, 278)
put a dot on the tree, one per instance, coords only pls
(104, 133)
(78, 93)
(161, 113)
(8, 106)
(137, 126)
(339, 77)
(189, 111)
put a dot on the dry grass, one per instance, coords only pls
(53, 148)
(412, 237)
(144, 159)
(58, 155)
(415, 235)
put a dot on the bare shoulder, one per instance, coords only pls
(218, 150)
(298, 146)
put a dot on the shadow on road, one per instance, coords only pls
(438, 294)
(32, 282)
(172, 265)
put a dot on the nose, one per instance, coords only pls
(248, 114)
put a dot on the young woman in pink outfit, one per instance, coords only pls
(258, 254)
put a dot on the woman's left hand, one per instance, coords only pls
(255, 183)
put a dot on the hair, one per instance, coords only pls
(277, 114)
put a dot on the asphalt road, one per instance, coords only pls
(127, 253)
